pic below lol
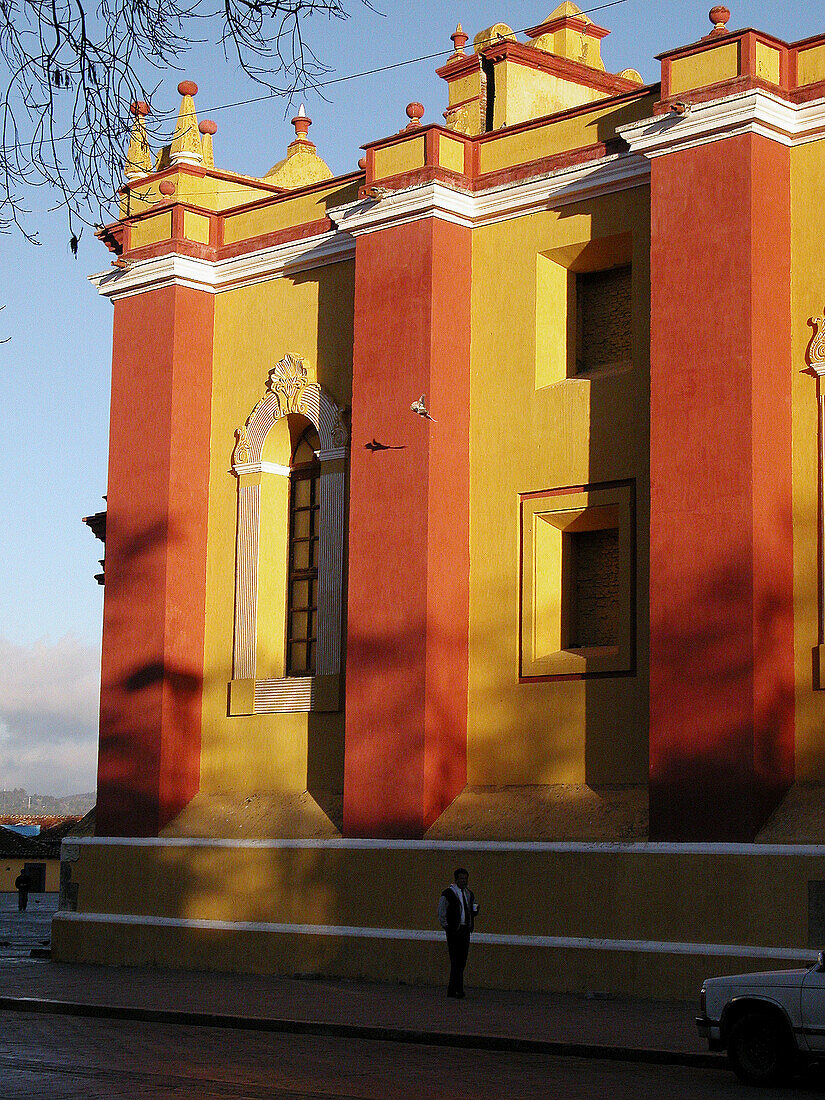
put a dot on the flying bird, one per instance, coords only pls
(420, 407)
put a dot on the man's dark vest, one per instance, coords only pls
(454, 909)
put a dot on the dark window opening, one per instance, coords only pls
(593, 580)
(302, 580)
(603, 318)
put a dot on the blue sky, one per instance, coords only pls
(54, 370)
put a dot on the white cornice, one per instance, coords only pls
(427, 200)
(430, 200)
(750, 112)
(565, 185)
(214, 277)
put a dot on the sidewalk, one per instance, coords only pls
(549, 1023)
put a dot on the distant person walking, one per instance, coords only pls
(457, 910)
(22, 884)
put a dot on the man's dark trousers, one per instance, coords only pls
(458, 944)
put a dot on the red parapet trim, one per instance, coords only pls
(807, 43)
(562, 67)
(710, 43)
(639, 92)
(545, 165)
(573, 22)
(453, 70)
(403, 135)
(279, 236)
(809, 92)
(724, 88)
(179, 245)
(283, 196)
(426, 174)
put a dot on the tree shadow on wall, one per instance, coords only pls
(722, 702)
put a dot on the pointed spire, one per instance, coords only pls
(138, 155)
(207, 129)
(302, 165)
(186, 143)
(302, 124)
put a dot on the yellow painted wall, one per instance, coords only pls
(255, 326)
(286, 212)
(522, 93)
(767, 62)
(808, 300)
(811, 65)
(707, 67)
(195, 227)
(405, 156)
(578, 431)
(721, 900)
(560, 136)
(151, 230)
(11, 868)
(451, 153)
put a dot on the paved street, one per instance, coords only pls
(58, 1058)
(20, 932)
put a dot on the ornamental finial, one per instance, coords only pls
(719, 16)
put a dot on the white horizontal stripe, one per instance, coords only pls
(750, 112)
(595, 847)
(496, 939)
(221, 275)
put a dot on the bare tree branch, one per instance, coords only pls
(69, 74)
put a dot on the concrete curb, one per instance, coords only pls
(557, 1048)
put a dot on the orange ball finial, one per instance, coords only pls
(415, 112)
(719, 16)
(208, 126)
(138, 107)
(188, 87)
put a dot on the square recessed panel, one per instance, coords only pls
(577, 605)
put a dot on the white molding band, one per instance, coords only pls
(750, 112)
(217, 276)
(492, 939)
(593, 847)
(755, 111)
(430, 200)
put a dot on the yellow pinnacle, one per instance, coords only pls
(138, 155)
(186, 145)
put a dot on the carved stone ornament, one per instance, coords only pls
(288, 380)
(815, 355)
(241, 453)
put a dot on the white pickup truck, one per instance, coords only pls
(767, 1022)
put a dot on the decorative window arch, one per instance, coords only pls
(290, 398)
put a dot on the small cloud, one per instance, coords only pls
(49, 697)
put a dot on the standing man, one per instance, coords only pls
(22, 884)
(457, 911)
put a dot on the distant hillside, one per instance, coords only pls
(19, 801)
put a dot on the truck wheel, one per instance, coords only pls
(759, 1049)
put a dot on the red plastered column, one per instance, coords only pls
(154, 601)
(721, 548)
(408, 601)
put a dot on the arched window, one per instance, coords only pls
(290, 462)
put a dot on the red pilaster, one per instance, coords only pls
(406, 679)
(153, 615)
(721, 554)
